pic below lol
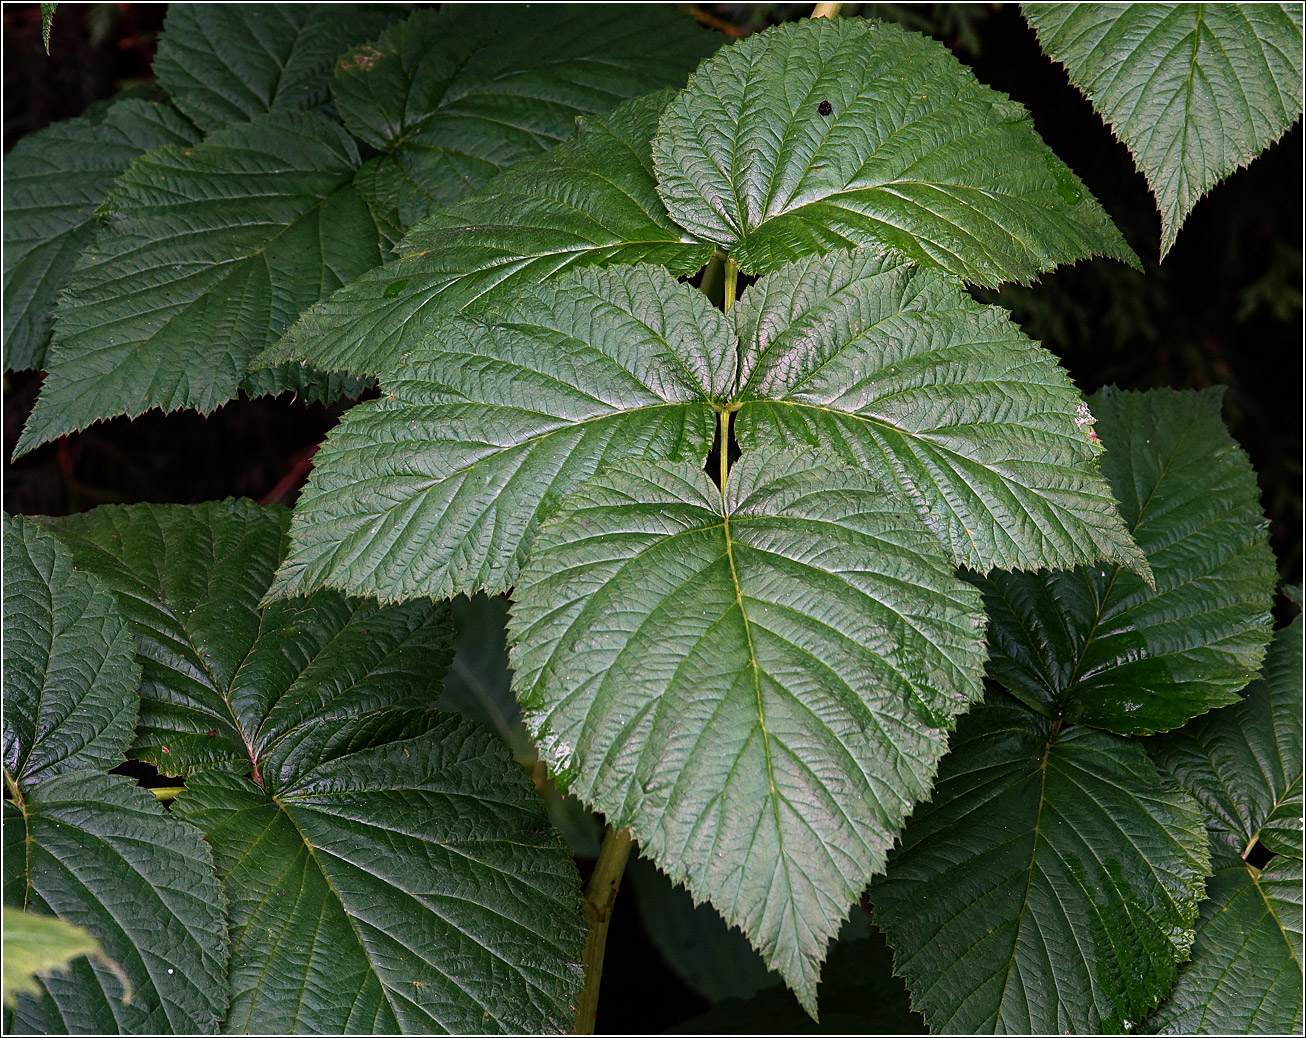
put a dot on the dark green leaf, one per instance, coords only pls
(1244, 765)
(1195, 91)
(410, 887)
(208, 255)
(453, 96)
(1098, 644)
(70, 675)
(231, 687)
(1051, 885)
(99, 852)
(438, 487)
(914, 153)
(53, 182)
(590, 201)
(943, 400)
(227, 63)
(757, 684)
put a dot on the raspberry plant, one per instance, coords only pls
(824, 577)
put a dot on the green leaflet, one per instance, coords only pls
(1051, 884)
(451, 97)
(409, 886)
(1195, 91)
(227, 63)
(70, 675)
(206, 257)
(226, 685)
(1244, 765)
(438, 486)
(914, 154)
(39, 944)
(53, 182)
(590, 201)
(1100, 646)
(756, 683)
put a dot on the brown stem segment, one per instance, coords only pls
(600, 894)
(826, 10)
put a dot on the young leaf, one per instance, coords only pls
(1244, 765)
(1052, 883)
(438, 487)
(451, 97)
(209, 253)
(590, 201)
(53, 182)
(99, 852)
(1195, 91)
(410, 887)
(70, 675)
(827, 134)
(226, 685)
(757, 684)
(47, 19)
(39, 944)
(228, 63)
(1099, 646)
(939, 398)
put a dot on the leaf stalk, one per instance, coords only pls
(826, 10)
(600, 894)
(732, 282)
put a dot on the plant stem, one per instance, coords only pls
(724, 438)
(166, 793)
(600, 893)
(713, 283)
(826, 10)
(732, 280)
(14, 791)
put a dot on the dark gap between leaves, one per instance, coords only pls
(1258, 855)
(733, 452)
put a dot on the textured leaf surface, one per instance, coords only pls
(438, 487)
(590, 201)
(453, 96)
(1244, 765)
(1195, 91)
(758, 686)
(39, 944)
(1098, 644)
(70, 675)
(53, 182)
(229, 686)
(227, 63)
(413, 886)
(914, 153)
(99, 852)
(1051, 885)
(210, 253)
(940, 399)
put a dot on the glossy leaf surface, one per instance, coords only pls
(590, 201)
(1195, 91)
(451, 97)
(914, 153)
(53, 182)
(70, 674)
(1051, 884)
(209, 253)
(1098, 644)
(99, 852)
(438, 487)
(758, 685)
(409, 886)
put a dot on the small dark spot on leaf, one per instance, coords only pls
(394, 288)
(211, 732)
(824, 108)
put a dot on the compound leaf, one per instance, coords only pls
(1100, 646)
(70, 675)
(99, 852)
(209, 253)
(757, 684)
(438, 486)
(413, 887)
(1195, 91)
(590, 201)
(1051, 884)
(941, 399)
(451, 97)
(53, 182)
(1244, 765)
(227, 63)
(229, 686)
(828, 133)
